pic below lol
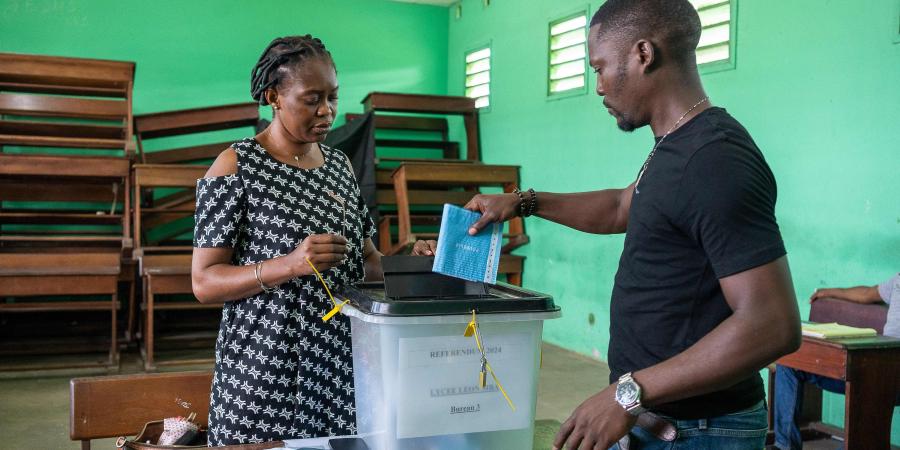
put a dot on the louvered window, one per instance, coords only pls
(478, 76)
(716, 41)
(568, 52)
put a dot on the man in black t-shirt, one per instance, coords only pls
(703, 297)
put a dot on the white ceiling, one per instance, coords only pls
(429, 2)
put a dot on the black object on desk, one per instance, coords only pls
(349, 443)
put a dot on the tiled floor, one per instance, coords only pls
(34, 409)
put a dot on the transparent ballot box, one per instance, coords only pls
(418, 376)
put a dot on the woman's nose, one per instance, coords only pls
(324, 109)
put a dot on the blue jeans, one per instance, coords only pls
(743, 430)
(789, 403)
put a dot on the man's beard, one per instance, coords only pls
(625, 124)
(623, 121)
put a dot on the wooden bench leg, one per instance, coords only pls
(113, 344)
(384, 235)
(148, 325)
(514, 278)
(130, 330)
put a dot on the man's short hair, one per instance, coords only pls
(674, 25)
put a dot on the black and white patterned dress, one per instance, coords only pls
(281, 372)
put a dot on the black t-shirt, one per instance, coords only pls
(704, 210)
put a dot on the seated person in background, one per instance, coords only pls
(789, 395)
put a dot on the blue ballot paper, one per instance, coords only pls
(473, 258)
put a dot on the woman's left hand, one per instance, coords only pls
(424, 248)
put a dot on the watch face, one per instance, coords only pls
(626, 393)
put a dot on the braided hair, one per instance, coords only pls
(278, 57)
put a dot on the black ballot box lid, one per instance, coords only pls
(412, 289)
(412, 277)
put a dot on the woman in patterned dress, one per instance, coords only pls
(266, 205)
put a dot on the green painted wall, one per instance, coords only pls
(816, 84)
(200, 52)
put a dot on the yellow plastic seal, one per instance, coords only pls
(337, 306)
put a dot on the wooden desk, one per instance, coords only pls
(870, 368)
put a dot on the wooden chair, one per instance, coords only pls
(162, 219)
(450, 180)
(430, 104)
(405, 138)
(113, 406)
(449, 184)
(420, 127)
(190, 121)
(164, 269)
(423, 130)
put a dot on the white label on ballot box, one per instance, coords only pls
(439, 392)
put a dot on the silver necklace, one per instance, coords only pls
(653, 152)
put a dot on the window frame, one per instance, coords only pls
(897, 22)
(476, 48)
(569, 14)
(731, 62)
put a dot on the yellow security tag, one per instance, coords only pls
(337, 306)
(322, 280)
(500, 386)
(335, 310)
(470, 328)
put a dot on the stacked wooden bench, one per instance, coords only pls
(412, 189)
(64, 216)
(163, 215)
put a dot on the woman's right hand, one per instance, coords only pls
(424, 248)
(323, 250)
(494, 208)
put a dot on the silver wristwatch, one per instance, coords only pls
(628, 394)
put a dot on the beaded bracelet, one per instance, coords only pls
(259, 279)
(529, 206)
(532, 203)
(521, 206)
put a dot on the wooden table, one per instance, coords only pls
(870, 368)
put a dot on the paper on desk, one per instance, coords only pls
(834, 330)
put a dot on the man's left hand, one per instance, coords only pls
(598, 423)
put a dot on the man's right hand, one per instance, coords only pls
(494, 208)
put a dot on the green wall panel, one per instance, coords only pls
(815, 83)
(200, 52)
